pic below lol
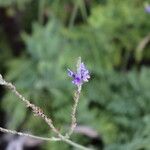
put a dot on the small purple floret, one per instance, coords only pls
(70, 73)
(81, 76)
(147, 9)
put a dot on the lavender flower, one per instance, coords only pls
(147, 8)
(81, 75)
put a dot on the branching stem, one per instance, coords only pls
(54, 139)
(39, 112)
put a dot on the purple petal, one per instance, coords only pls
(85, 78)
(83, 66)
(70, 73)
(81, 75)
(77, 81)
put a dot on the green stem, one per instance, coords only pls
(41, 11)
(83, 10)
(75, 144)
(72, 19)
(52, 139)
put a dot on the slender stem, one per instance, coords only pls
(76, 145)
(36, 110)
(83, 9)
(73, 114)
(76, 101)
(73, 16)
(54, 139)
(41, 11)
(29, 135)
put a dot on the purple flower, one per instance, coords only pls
(147, 8)
(81, 75)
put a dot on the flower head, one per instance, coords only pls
(81, 75)
(147, 8)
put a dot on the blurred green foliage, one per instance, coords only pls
(108, 35)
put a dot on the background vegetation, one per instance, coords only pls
(39, 39)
